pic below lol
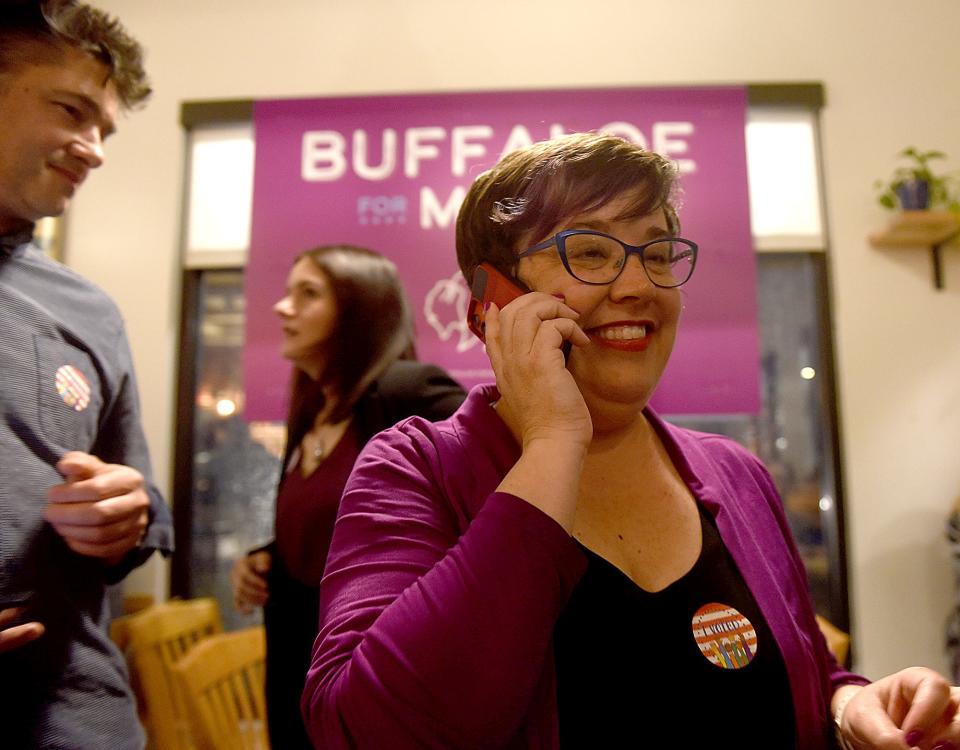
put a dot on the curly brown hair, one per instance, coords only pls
(531, 190)
(35, 31)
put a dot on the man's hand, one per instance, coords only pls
(101, 509)
(14, 636)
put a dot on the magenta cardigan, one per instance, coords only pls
(440, 595)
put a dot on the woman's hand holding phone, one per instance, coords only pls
(540, 401)
(528, 337)
(525, 344)
(528, 348)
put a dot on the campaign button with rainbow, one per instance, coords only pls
(724, 636)
(73, 387)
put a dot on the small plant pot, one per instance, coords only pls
(914, 195)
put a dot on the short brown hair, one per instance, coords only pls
(533, 189)
(33, 31)
(373, 328)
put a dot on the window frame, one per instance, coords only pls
(805, 97)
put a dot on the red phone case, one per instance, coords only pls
(489, 285)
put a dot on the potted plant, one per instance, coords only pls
(916, 187)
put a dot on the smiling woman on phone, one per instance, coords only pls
(555, 565)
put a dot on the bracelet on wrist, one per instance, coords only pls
(838, 720)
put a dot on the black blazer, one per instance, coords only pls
(407, 389)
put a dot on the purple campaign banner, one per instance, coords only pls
(389, 173)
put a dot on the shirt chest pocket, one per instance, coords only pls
(69, 395)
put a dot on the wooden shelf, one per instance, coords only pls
(921, 229)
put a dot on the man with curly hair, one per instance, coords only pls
(78, 509)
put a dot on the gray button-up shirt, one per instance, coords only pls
(66, 383)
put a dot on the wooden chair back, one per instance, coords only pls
(222, 680)
(132, 604)
(157, 639)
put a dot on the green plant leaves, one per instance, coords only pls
(944, 188)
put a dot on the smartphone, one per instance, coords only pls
(489, 285)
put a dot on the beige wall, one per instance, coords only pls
(890, 71)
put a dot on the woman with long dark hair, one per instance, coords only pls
(348, 331)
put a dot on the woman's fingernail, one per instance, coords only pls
(914, 737)
(486, 305)
(945, 745)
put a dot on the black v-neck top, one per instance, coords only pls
(689, 665)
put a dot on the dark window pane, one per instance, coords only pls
(792, 434)
(235, 464)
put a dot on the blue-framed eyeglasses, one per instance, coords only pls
(597, 258)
